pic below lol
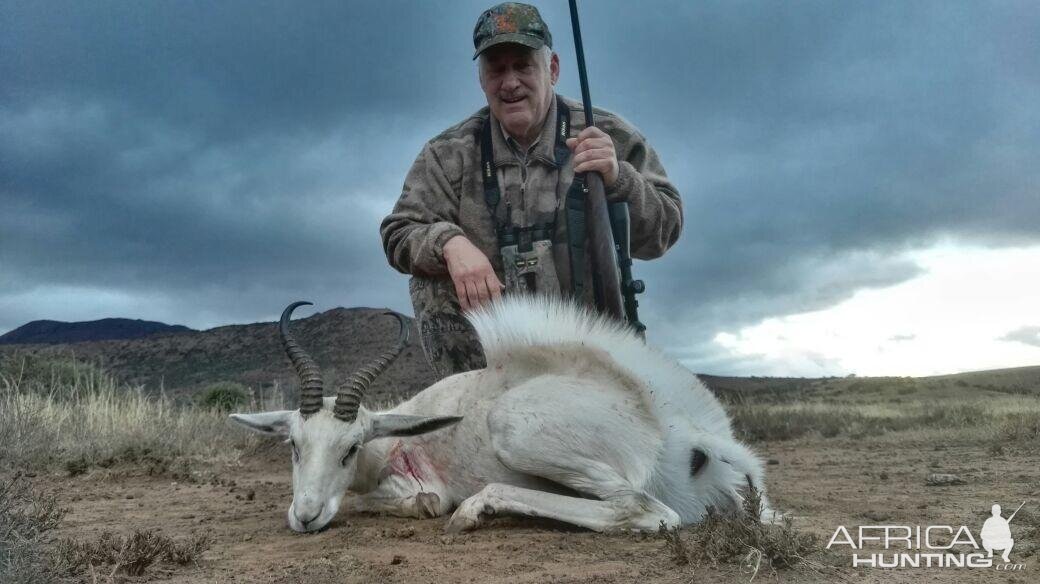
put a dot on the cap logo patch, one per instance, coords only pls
(505, 24)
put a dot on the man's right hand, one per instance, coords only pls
(475, 281)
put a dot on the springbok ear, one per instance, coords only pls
(386, 425)
(269, 423)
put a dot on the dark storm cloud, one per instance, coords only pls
(202, 151)
(814, 142)
(224, 158)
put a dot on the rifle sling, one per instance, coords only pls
(575, 200)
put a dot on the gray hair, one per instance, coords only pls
(545, 54)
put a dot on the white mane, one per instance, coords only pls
(520, 322)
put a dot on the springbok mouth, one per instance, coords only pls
(318, 523)
(309, 530)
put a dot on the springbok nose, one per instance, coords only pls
(306, 520)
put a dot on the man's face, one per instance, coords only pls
(518, 88)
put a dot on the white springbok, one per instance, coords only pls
(574, 419)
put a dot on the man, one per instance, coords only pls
(454, 222)
(996, 533)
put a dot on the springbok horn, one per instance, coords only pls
(348, 396)
(311, 384)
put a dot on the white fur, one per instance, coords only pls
(575, 418)
(670, 389)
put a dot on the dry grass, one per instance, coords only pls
(27, 516)
(130, 554)
(1018, 428)
(741, 539)
(1006, 419)
(62, 413)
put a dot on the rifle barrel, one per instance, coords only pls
(1016, 512)
(583, 77)
(603, 256)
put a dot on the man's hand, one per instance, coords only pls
(475, 281)
(594, 152)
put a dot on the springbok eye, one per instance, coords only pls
(295, 452)
(346, 457)
(697, 460)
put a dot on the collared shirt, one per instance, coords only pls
(530, 177)
(519, 151)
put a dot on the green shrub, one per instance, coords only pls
(224, 396)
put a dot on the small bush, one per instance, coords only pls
(675, 544)
(188, 551)
(77, 466)
(740, 538)
(224, 396)
(130, 554)
(26, 518)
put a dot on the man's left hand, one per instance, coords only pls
(594, 152)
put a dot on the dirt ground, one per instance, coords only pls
(820, 483)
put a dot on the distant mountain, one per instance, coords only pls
(50, 332)
(340, 340)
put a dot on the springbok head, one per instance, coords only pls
(327, 434)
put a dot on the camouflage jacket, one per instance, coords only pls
(443, 194)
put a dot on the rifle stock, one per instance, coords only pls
(603, 254)
(620, 224)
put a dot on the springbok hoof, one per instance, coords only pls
(427, 505)
(470, 515)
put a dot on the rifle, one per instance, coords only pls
(608, 227)
(1016, 512)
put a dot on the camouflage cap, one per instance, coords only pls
(510, 22)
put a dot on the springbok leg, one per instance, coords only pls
(633, 511)
(402, 493)
(420, 505)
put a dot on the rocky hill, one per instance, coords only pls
(54, 332)
(340, 340)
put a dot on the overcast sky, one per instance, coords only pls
(859, 178)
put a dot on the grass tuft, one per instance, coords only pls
(741, 539)
(129, 554)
